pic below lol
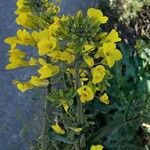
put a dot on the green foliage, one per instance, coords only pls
(127, 9)
(144, 52)
(122, 120)
(131, 100)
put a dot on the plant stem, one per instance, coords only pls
(44, 140)
(76, 145)
(78, 85)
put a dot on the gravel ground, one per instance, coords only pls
(10, 98)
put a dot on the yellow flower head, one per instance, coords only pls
(12, 41)
(24, 38)
(67, 56)
(35, 36)
(58, 129)
(48, 70)
(36, 81)
(16, 63)
(23, 86)
(86, 93)
(45, 46)
(104, 98)
(55, 55)
(113, 36)
(109, 53)
(89, 60)
(20, 4)
(54, 27)
(17, 53)
(88, 47)
(97, 15)
(23, 34)
(96, 147)
(42, 61)
(98, 74)
(24, 20)
(43, 35)
(16, 59)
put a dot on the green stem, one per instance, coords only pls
(45, 129)
(76, 147)
(127, 109)
(44, 141)
(78, 85)
(29, 124)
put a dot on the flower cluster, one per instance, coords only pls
(29, 15)
(55, 42)
(74, 49)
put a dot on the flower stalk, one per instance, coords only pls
(77, 86)
(44, 140)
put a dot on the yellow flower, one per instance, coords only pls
(97, 15)
(23, 38)
(98, 74)
(96, 147)
(16, 63)
(33, 62)
(24, 20)
(42, 35)
(42, 61)
(36, 81)
(12, 40)
(58, 129)
(48, 70)
(20, 4)
(88, 47)
(45, 46)
(35, 36)
(24, 35)
(21, 7)
(67, 56)
(104, 98)
(55, 55)
(89, 60)
(54, 27)
(65, 105)
(13, 46)
(86, 93)
(17, 53)
(113, 36)
(16, 59)
(23, 86)
(109, 53)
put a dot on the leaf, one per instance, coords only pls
(114, 125)
(60, 138)
(125, 147)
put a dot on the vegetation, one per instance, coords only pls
(98, 84)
